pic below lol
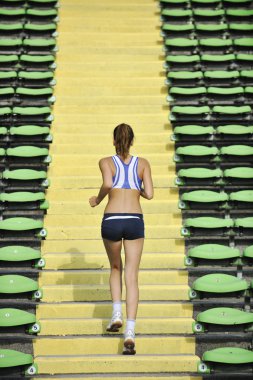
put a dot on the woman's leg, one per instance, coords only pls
(133, 251)
(113, 249)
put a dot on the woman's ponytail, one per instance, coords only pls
(123, 137)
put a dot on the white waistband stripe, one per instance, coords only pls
(122, 217)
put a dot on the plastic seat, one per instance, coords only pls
(16, 253)
(245, 61)
(245, 225)
(225, 95)
(37, 61)
(224, 355)
(183, 112)
(236, 14)
(176, 14)
(35, 96)
(213, 45)
(242, 45)
(180, 2)
(195, 153)
(202, 199)
(231, 112)
(242, 199)
(10, 45)
(217, 61)
(10, 317)
(29, 151)
(34, 132)
(238, 30)
(37, 78)
(186, 45)
(231, 131)
(239, 174)
(218, 283)
(186, 78)
(9, 14)
(12, 358)
(242, 152)
(246, 77)
(182, 62)
(221, 77)
(225, 316)
(177, 30)
(209, 30)
(7, 78)
(208, 14)
(6, 96)
(184, 95)
(11, 29)
(12, 284)
(34, 14)
(192, 132)
(248, 252)
(26, 175)
(211, 252)
(34, 114)
(218, 225)
(40, 45)
(9, 61)
(198, 175)
(42, 30)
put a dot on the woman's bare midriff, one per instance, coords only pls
(124, 201)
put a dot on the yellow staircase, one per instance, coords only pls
(110, 71)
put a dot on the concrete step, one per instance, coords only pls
(100, 310)
(96, 326)
(110, 345)
(147, 126)
(152, 245)
(101, 277)
(63, 293)
(116, 364)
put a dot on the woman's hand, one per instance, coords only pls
(93, 201)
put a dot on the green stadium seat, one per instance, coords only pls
(40, 45)
(224, 356)
(221, 77)
(177, 30)
(172, 14)
(246, 77)
(5, 112)
(237, 152)
(211, 252)
(231, 112)
(198, 176)
(37, 61)
(46, 15)
(31, 132)
(245, 225)
(242, 45)
(232, 131)
(183, 62)
(225, 316)
(192, 132)
(7, 96)
(203, 199)
(34, 114)
(10, 45)
(35, 96)
(186, 112)
(238, 30)
(217, 61)
(7, 78)
(37, 78)
(184, 95)
(239, 174)
(11, 30)
(29, 151)
(174, 2)
(248, 253)
(10, 13)
(245, 61)
(236, 14)
(207, 14)
(43, 30)
(225, 95)
(210, 30)
(12, 358)
(186, 78)
(26, 175)
(10, 317)
(44, 2)
(215, 226)
(16, 253)
(9, 61)
(196, 153)
(13, 284)
(242, 199)
(217, 283)
(212, 45)
(186, 45)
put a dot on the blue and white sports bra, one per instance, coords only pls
(126, 176)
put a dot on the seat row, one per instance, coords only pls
(199, 133)
(25, 96)
(28, 46)
(205, 3)
(29, 13)
(9, 115)
(28, 30)
(214, 200)
(197, 176)
(35, 79)
(229, 14)
(25, 133)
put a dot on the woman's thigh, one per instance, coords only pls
(133, 252)
(113, 250)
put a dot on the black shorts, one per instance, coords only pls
(116, 227)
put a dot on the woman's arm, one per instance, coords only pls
(107, 182)
(148, 191)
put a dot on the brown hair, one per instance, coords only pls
(123, 137)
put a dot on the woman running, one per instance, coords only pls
(123, 176)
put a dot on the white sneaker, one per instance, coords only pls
(115, 323)
(129, 343)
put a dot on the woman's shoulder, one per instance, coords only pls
(143, 161)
